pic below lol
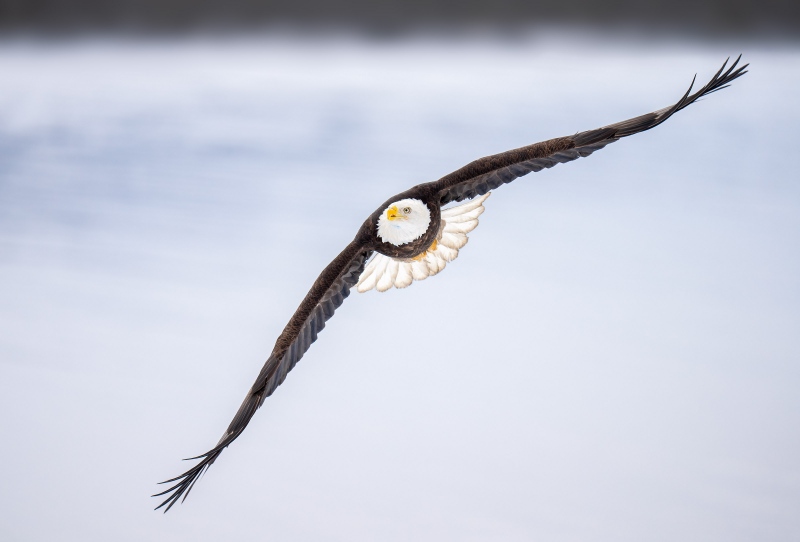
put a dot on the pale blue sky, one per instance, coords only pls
(614, 356)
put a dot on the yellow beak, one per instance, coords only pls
(392, 213)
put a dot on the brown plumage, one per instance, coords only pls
(334, 283)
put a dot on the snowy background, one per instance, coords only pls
(614, 356)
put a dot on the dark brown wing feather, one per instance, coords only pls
(325, 296)
(485, 174)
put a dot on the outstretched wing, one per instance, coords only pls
(326, 295)
(485, 174)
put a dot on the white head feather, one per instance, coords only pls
(404, 221)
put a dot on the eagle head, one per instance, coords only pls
(404, 221)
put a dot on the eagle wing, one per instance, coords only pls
(334, 284)
(485, 174)
(326, 295)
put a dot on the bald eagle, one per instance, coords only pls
(411, 237)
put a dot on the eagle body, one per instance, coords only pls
(385, 271)
(412, 236)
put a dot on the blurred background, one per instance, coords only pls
(614, 356)
(716, 17)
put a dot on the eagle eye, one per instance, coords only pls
(407, 210)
